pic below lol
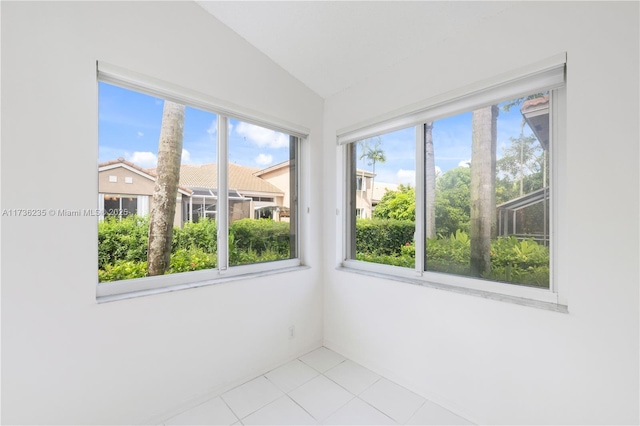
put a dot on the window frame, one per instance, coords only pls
(110, 291)
(545, 75)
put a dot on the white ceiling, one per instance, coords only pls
(331, 45)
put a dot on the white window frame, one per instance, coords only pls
(110, 291)
(544, 75)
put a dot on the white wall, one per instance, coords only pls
(496, 362)
(66, 359)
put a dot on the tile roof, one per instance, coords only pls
(530, 103)
(241, 178)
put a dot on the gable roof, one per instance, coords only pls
(241, 178)
(270, 169)
(147, 173)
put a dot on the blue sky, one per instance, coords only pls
(451, 145)
(129, 127)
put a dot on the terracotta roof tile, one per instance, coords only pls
(241, 178)
(528, 104)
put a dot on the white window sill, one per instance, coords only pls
(423, 281)
(184, 286)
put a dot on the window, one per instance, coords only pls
(119, 206)
(463, 195)
(234, 180)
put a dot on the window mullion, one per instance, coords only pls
(419, 236)
(223, 191)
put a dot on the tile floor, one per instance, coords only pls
(320, 387)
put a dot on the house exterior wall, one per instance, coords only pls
(364, 198)
(280, 178)
(65, 358)
(491, 361)
(139, 185)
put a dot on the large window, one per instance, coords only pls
(462, 197)
(188, 194)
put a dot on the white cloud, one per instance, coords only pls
(464, 163)
(213, 128)
(438, 171)
(140, 134)
(186, 157)
(264, 159)
(143, 159)
(407, 176)
(263, 137)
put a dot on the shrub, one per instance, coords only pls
(201, 234)
(260, 235)
(122, 270)
(126, 239)
(383, 236)
(192, 259)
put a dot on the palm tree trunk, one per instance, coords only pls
(166, 189)
(430, 172)
(483, 183)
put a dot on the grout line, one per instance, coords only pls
(303, 409)
(230, 409)
(414, 413)
(380, 411)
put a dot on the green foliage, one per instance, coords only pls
(193, 259)
(449, 254)
(399, 204)
(125, 239)
(122, 270)
(372, 152)
(201, 234)
(383, 236)
(453, 201)
(523, 262)
(122, 245)
(260, 235)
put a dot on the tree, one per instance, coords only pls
(374, 154)
(399, 204)
(430, 172)
(483, 192)
(166, 188)
(453, 201)
(523, 161)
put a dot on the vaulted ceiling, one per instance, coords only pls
(332, 45)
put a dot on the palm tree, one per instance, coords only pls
(374, 154)
(165, 191)
(483, 183)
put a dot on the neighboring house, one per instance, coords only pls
(125, 188)
(364, 193)
(124, 185)
(512, 214)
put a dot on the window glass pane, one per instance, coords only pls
(487, 192)
(130, 163)
(262, 194)
(382, 194)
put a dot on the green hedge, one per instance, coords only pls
(260, 236)
(384, 237)
(512, 260)
(122, 245)
(122, 240)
